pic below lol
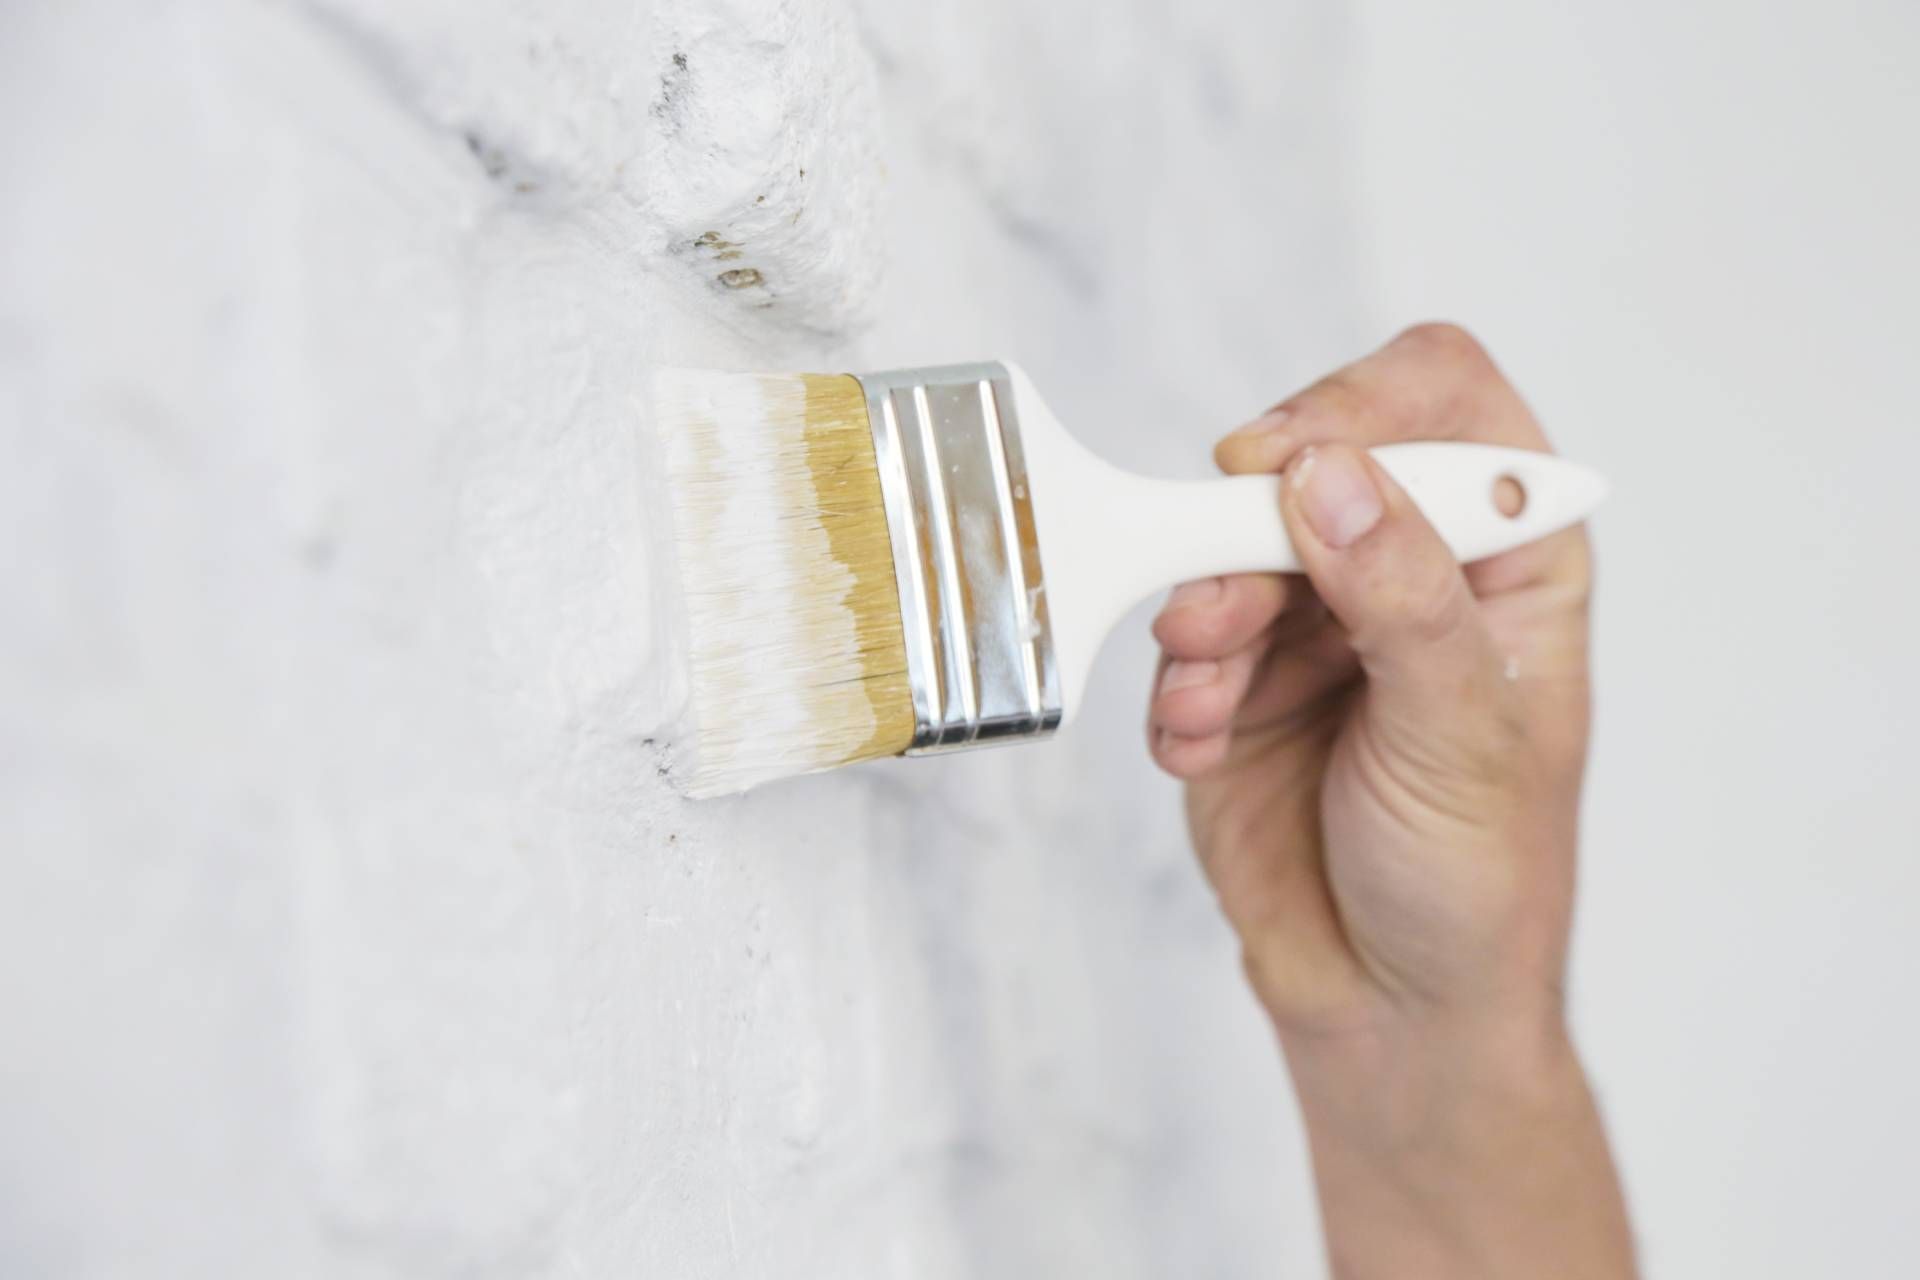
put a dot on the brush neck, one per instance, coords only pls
(1168, 531)
(1110, 539)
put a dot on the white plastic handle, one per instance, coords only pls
(1233, 526)
(1110, 538)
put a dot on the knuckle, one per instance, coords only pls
(1166, 632)
(1269, 977)
(1188, 636)
(1426, 608)
(1446, 340)
(1160, 748)
(1258, 969)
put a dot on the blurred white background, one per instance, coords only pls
(1692, 232)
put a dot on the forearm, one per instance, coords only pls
(1453, 1151)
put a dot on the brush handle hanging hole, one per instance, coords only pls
(1509, 496)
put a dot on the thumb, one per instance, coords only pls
(1434, 676)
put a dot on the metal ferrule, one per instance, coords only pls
(966, 557)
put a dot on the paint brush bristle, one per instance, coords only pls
(797, 659)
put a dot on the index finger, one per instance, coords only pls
(1432, 382)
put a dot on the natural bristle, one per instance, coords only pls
(797, 661)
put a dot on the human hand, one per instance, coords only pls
(1383, 762)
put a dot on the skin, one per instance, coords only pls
(1383, 761)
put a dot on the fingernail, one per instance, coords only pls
(1187, 594)
(1185, 675)
(1337, 496)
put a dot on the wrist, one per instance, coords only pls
(1410, 1079)
(1466, 1148)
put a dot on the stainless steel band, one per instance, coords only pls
(966, 556)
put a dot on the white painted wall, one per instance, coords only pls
(347, 926)
(1689, 231)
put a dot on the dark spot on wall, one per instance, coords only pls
(1050, 243)
(501, 165)
(722, 249)
(493, 161)
(673, 89)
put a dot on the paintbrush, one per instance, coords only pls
(923, 560)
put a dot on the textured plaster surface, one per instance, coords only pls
(348, 922)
